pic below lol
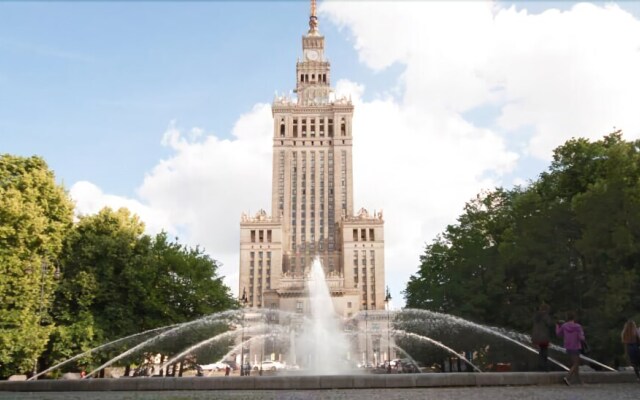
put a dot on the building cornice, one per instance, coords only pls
(294, 108)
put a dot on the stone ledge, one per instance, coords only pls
(369, 381)
(336, 382)
(303, 382)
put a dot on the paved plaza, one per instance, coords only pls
(627, 391)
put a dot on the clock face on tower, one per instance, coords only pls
(311, 55)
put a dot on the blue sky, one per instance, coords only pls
(91, 86)
(94, 87)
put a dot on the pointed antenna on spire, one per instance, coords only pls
(313, 19)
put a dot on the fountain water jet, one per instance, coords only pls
(320, 342)
(195, 347)
(435, 342)
(328, 347)
(485, 329)
(101, 347)
(208, 318)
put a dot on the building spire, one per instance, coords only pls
(313, 19)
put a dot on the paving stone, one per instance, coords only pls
(617, 391)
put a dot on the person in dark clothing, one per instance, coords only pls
(541, 335)
(573, 336)
(631, 340)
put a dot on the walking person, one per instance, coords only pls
(541, 335)
(573, 336)
(631, 339)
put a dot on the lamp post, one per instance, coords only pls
(387, 303)
(44, 269)
(244, 301)
(366, 333)
(263, 342)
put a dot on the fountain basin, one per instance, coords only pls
(312, 382)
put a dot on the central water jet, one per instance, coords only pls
(324, 345)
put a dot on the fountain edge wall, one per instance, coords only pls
(311, 382)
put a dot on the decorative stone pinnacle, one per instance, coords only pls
(313, 19)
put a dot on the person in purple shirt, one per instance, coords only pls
(573, 336)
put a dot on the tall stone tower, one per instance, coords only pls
(312, 212)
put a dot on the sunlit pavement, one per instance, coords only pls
(553, 392)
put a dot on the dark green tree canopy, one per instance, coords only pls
(571, 239)
(118, 281)
(65, 287)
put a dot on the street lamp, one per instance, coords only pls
(266, 329)
(44, 269)
(244, 301)
(387, 303)
(366, 333)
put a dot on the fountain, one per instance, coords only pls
(319, 344)
(323, 328)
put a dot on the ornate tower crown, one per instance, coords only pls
(313, 81)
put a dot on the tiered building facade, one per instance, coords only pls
(312, 213)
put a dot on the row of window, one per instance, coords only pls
(263, 261)
(310, 245)
(281, 181)
(261, 254)
(302, 213)
(261, 237)
(372, 271)
(308, 127)
(304, 260)
(304, 78)
(267, 264)
(363, 235)
(306, 143)
(343, 174)
(267, 274)
(363, 254)
(363, 263)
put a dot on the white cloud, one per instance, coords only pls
(90, 199)
(207, 183)
(201, 190)
(559, 74)
(577, 77)
(556, 74)
(420, 167)
(565, 74)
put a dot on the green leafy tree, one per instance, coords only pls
(35, 215)
(570, 239)
(119, 281)
(458, 273)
